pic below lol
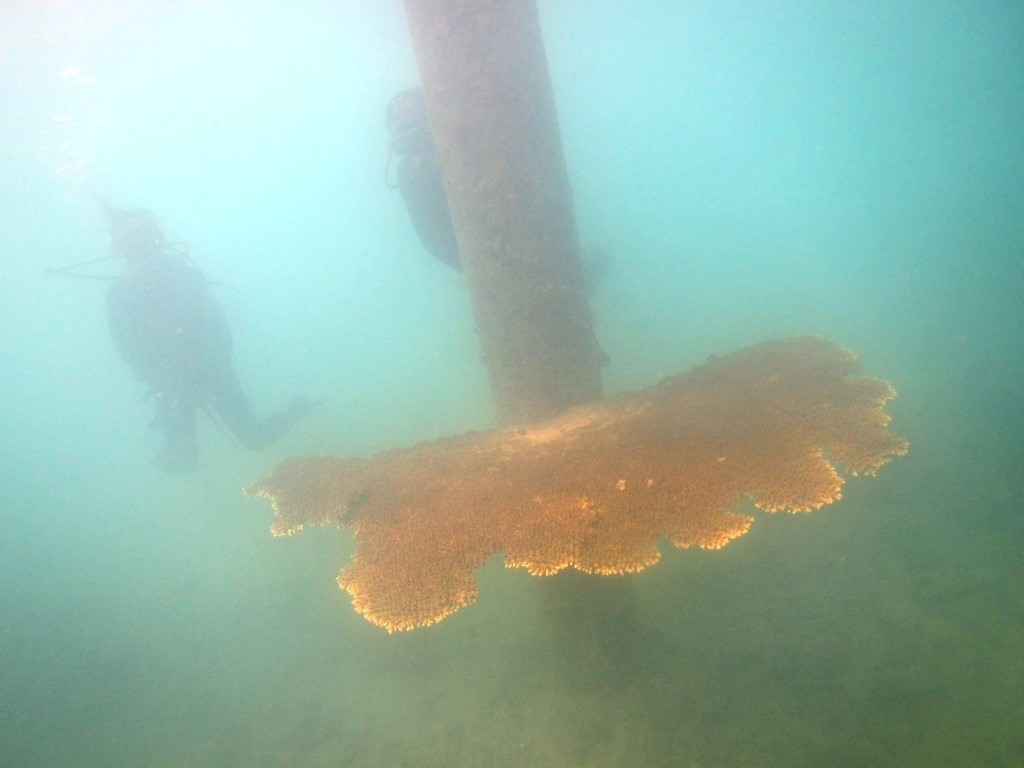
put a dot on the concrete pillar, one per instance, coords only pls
(488, 93)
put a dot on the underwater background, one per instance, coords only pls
(754, 169)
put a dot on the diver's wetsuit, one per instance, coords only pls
(421, 184)
(422, 190)
(175, 337)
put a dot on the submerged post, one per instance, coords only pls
(492, 114)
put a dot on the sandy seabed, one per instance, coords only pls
(882, 630)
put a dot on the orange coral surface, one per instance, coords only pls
(595, 487)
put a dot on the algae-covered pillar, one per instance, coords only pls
(492, 114)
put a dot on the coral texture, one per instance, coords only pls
(597, 486)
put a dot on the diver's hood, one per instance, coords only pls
(135, 231)
(406, 117)
(130, 218)
(407, 110)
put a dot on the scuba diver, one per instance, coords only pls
(421, 185)
(173, 334)
(419, 178)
